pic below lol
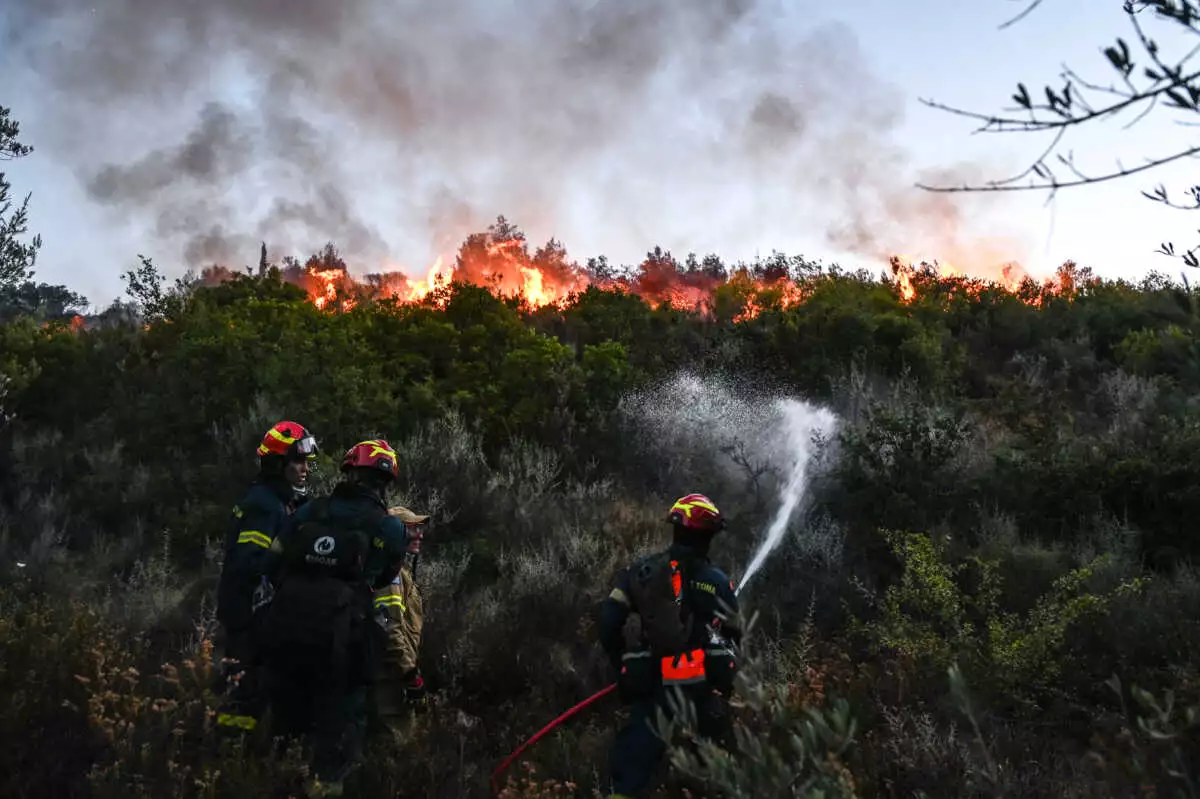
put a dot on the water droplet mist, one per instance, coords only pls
(701, 423)
(798, 423)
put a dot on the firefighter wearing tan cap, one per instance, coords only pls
(400, 688)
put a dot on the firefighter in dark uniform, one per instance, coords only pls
(694, 659)
(284, 457)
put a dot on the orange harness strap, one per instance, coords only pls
(684, 669)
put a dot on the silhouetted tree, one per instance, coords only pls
(16, 258)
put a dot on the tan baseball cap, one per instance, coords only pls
(407, 516)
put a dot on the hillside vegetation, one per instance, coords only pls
(989, 593)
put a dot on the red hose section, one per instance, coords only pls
(544, 730)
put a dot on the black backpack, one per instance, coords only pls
(320, 621)
(658, 583)
(320, 546)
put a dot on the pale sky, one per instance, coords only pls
(500, 118)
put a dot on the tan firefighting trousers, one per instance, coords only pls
(398, 610)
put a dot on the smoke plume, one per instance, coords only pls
(385, 125)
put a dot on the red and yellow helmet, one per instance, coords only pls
(288, 440)
(375, 454)
(696, 512)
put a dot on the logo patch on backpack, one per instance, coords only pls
(323, 547)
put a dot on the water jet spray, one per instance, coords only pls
(800, 423)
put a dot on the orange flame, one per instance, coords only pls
(745, 292)
(507, 275)
(1009, 276)
(761, 295)
(434, 279)
(328, 283)
(546, 278)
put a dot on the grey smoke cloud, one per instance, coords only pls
(226, 121)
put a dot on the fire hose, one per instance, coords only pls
(545, 731)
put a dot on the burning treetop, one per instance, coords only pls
(500, 260)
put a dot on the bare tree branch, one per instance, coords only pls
(1058, 137)
(1054, 184)
(1029, 9)
(1159, 84)
(998, 124)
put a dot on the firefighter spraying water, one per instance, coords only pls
(689, 611)
(689, 607)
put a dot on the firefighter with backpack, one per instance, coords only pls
(688, 613)
(281, 486)
(322, 647)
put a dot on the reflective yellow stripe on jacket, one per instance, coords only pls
(234, 720)
(256, 537)
(389, 600)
